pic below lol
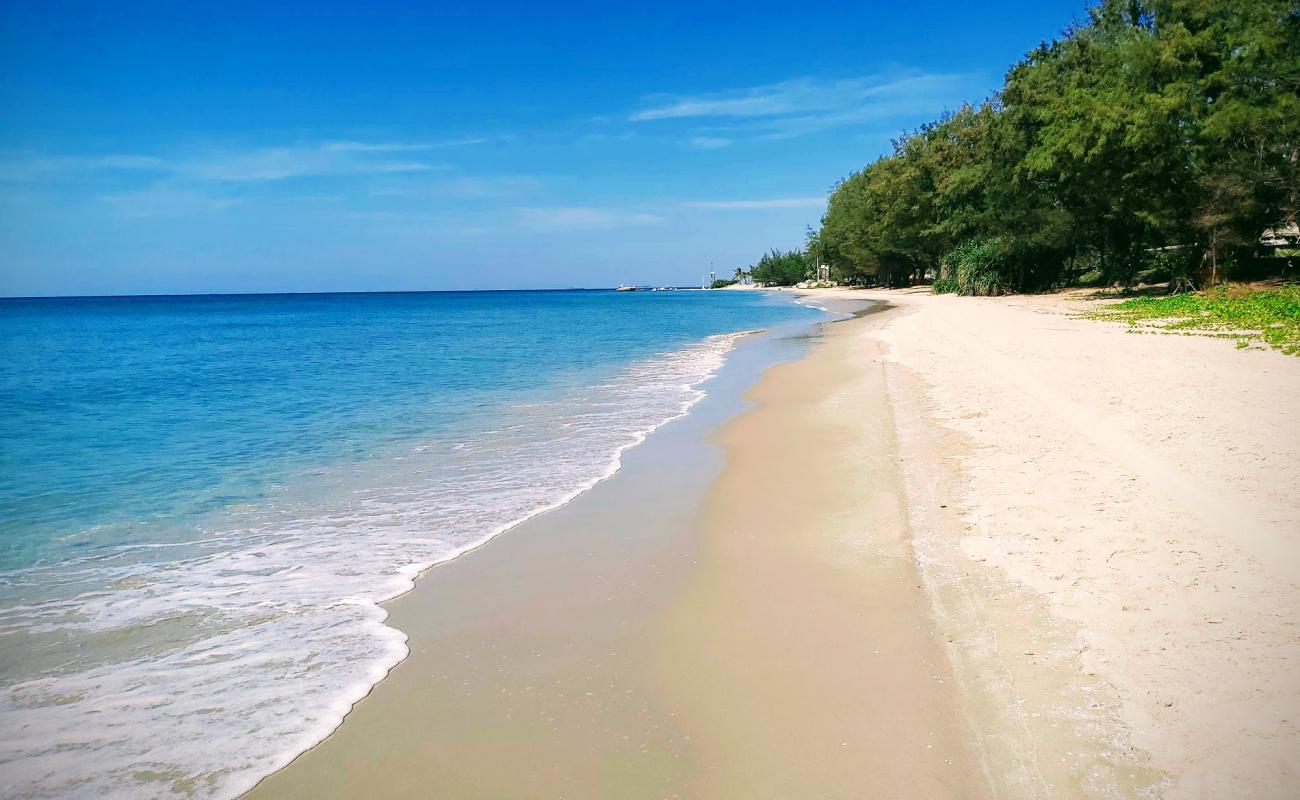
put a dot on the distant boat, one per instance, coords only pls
(622, 288)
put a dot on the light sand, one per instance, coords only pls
(802, 655)
(1118, 564)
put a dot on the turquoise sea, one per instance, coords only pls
(203, 500)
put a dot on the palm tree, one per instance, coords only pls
(739, 274)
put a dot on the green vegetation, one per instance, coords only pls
(992, 266)
(1154, 142)
(1270, 316)
(782, 268)
(721, 283)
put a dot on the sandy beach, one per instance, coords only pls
(960, 548)
(1116, 568)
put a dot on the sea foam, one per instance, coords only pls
(198, 673)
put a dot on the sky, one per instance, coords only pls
(278, 147)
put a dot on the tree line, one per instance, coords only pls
(1158, 137)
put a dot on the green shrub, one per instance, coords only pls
(944, 285)
(1177, 264)
(999, 265)
(978, 267)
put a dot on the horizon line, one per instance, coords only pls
(309, 294)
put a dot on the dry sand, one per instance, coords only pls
(1109, 526)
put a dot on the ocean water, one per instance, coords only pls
(203, 500)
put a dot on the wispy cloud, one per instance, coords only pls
(126, 162)
(596, 136)
(27, 168)
(164, 202)
(490, 186)
(275, 164)
(400, 147)
(804, 105)
(462, 186)
(241, 165)
(579, 218)
(775, 202)
(708, 142)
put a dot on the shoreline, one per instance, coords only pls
(722, 390)
(633, 670)
(813, 666)
(415, 572)
(1055, 618)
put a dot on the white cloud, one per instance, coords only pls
(18, 168)
(279, 163)
(804, 105)
(776, 202)
(597, 136)
(708, 142)
(241, 165)
(399, 147)
(490, 186)
(579, 218)
(164, 202)
(467, 186)
(126, 162)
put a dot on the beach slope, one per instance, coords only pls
(964, 547)
(1109, 527)
(741, 618)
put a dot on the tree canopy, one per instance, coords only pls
(1157, 133)
(781, 268)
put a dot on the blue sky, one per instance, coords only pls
(178, 147)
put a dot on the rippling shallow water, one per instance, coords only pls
(204, 499)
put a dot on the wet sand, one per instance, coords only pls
(802, 653)
(736, 613)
